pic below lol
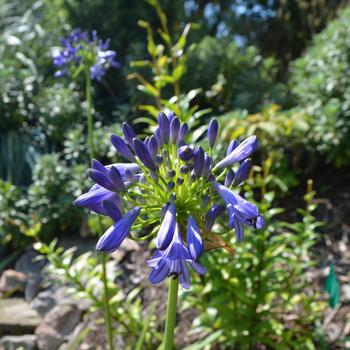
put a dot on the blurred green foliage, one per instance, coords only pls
(321, 81)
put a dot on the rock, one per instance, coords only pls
(28, 262)
(44, 302)
(54, 329)
(12, 281)
(32, 286)
(14, 342)
(17, 317)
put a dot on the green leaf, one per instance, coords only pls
(206, 341)
(332, 287)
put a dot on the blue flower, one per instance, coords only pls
(241, 212)
(240, 152)
(173, 262)
(78, 49)
(171, 183)
(115, 235)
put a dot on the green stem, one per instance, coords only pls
(90, 124)
(90, 121)
(106, 303)
(171, 313)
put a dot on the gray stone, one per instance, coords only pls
(54, 329)
(32, 286)
(14, 342)
(28, 262)
(12, 281)
(17, 317)
(44, 302)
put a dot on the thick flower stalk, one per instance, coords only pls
(172, 192)
(81, 51)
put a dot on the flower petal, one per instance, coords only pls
(167, 228)
(194, 239)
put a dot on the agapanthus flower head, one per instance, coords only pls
(79, 50)
(174, 193)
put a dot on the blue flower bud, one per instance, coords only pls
(183, 132)
(170, 185)
(179, 181)
(171, 115)
(185, 153)
(212, 132)
(207, 166)
(122, 148)
(183, 169)
(232, 146)
(164, 210)
(215, 211)
(115, 235)
(159, 159)
(153, 146)
(102, 179)
(174, 129)
(159, 137)
(242, 172)
(112, 210)
(142, 152)
(167, 228)
(229, 178)
(164, 127)
(242, 151)
(129, 133)
(194, 239)
(117, 179)
(171, 173)
(198, 160)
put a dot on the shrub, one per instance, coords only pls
(52, 194)
(13, 217)
(321, 82)
(233, 77)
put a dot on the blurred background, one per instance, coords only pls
(277, 69)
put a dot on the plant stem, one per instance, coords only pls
(90, 123)
(106, 303)
(171, 313)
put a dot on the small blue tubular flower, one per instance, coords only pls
(215, 211)
(242, 151)
(213, 132)
(167, 227)
(112, 209)
(122, 148)
(171, 115)
(129, 133)
(142, 152)
(164, 127)
(153, 147)
(97, 72)
(194, 239)
(198, 160)
(207, 165)
(94, 198)
(185, 153)
(241, 212)
(229, 178)
(183, 132)
(115, 235)
(117, 179)
(174, 129)
(242, 172)
(231, 147)
(159, 137)
(102, 179)
(173, 262)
